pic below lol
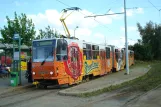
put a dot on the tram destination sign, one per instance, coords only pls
(42, 43)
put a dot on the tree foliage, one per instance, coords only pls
(21, 25)
(47, 33)
(149, 48)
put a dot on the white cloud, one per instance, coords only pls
(131, 12)
(52, 17)
(99, 35)
(17, 3)
(37, 32)
(85, 25)
(140, 10)
(120, 42)
(116, 16)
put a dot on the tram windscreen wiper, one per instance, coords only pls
(42, 63)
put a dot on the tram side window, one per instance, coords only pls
(61, 51)
(117, 54)
(102, 54)
(95, 51)
(107, 52)
(131, 54)
(87, 51)
(122, 54)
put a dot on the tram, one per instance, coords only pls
(69, 61)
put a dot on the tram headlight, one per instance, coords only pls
(51, 73)
(33, 73)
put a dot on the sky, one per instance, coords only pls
(104, 29)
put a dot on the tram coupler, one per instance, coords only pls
(36, 83)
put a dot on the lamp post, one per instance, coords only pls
(74, 30)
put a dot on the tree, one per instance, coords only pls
(131, 47)
(150, 43)
(47, 33)
(21, 25)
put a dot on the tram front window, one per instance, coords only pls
(43, 51)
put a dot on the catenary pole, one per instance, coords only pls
(126, 42)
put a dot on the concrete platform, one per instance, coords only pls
(5, 85)
(106, 81)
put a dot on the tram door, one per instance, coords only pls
(75, 61)
(103, 62)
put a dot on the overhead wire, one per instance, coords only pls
(63, 3)
(155, 7)
(97, 21)
(84, 14)
(106, 7)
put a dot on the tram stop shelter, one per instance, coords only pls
(8, 49)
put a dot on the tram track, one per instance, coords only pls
(20, 98)
(17, 92)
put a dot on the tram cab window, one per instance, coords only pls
(61, 51)
(107, 52)
(95, 51)
(87, 51)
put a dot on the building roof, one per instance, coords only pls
(10, 46)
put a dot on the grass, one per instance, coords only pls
(148, 81)
(144, 83)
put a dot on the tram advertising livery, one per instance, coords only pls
(68, 61)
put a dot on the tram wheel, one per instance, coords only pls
(45, 86)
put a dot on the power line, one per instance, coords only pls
(149, 7)
(97, 21)
(106, 7)
(153, 5)
(103, 25)
(63, 3)
(82, 13)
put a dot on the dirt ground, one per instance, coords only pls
(50, 98)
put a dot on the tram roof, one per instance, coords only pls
(83, 41)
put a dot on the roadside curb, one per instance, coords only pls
(11, 89)
(69, 92)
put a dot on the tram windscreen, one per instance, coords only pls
(43, 50)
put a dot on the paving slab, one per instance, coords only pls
(106, 81)
(5, 85)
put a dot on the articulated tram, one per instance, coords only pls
(61, 61)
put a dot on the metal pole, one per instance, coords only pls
(5, 56)
(74, 30)
(13, 61)
(126, 42)
(19, 47)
